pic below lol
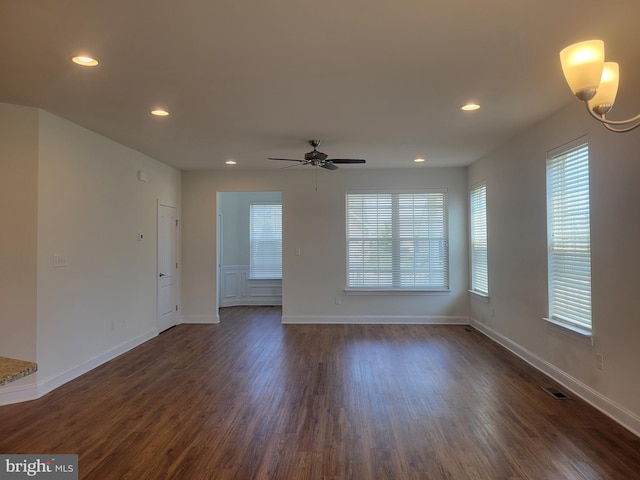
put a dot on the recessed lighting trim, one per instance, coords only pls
(159, 112)
(469, 107)
(84, 61)
(231, 162)
(419, 160)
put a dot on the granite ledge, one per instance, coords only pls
(12, 369)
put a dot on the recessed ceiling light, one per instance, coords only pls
(85, 61)
(419, 160)
(231, 162)
(470, 107)
(158, 112)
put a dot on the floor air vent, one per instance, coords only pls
(556, 393)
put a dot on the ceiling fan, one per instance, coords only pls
(319, 159)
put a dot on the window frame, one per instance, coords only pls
(568, 284)
(254, 273)
(395, 270)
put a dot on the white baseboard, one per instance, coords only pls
(16, 394)
(200, 318)
(376, 319)
(621, 415)
(24, 393)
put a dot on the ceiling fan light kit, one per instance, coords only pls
(320, 159)
(594, 82)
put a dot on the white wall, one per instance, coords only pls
(516, 203)
(18, 232)
(90, 209)
(314, 221)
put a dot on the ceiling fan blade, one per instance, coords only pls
(329, 166)
(347, 160)
(288, 160)
(292, 166)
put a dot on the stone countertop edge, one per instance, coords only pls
(12, 369)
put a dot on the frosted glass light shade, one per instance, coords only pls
(608, 89)
(582, 65)
(85, 61)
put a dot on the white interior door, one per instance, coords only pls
(167, 266)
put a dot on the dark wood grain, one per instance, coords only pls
(253, 399)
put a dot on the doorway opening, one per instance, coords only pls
(249, 248)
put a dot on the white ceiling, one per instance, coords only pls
(250, 79)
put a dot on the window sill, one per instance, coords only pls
(382, 291)
(481, 296)
(576, 333)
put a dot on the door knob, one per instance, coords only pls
(162, 275)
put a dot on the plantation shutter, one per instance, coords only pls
(569, 237)
(265, 233)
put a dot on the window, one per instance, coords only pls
(569, 246)
(479, 267)
(397, 241)
(265, 234)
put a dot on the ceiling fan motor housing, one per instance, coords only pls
(315, 155)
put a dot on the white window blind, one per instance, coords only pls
(479, 264)
(569, 235)
(265, 233)
(397, 241)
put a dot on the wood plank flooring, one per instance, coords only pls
(253, 399)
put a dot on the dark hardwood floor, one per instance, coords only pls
(253, 399)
